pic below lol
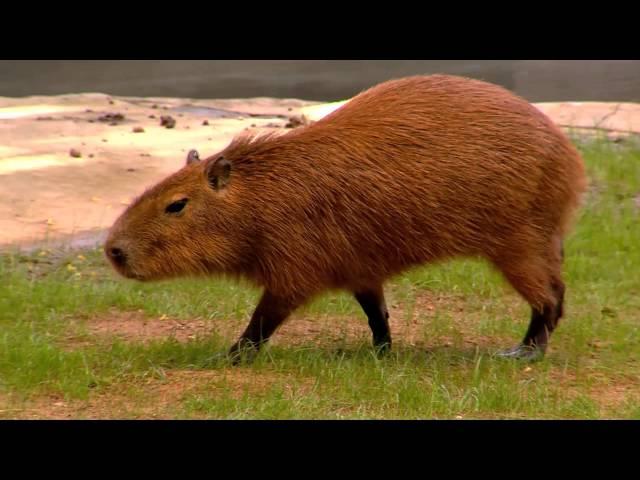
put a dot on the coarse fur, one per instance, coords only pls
(411, 171)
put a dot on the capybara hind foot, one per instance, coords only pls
(527, 353)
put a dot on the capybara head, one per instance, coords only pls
(183, 225)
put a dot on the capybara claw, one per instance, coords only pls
(522, 352)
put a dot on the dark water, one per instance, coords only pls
(323, 80)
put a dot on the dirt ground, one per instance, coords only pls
(70, 164)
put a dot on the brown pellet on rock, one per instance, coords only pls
(111, 118)
(296, 121)
(167, 121)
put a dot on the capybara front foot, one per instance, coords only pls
(382, 349)
(527, 353)
(243, 351)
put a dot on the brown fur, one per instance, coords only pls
(410, 171)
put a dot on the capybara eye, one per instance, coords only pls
(176, 207)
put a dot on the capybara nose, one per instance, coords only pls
(116, 255)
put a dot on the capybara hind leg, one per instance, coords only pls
(270, 313)
(543, 289)
(545, 321)
(374, 306)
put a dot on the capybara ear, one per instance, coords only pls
(193, 157)
(218, 172)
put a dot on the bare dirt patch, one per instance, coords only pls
(412, 325)
(136, 327)
(610, 392)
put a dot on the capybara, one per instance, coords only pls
(411, 171)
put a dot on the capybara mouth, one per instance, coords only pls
(126, 271)
(136, 276)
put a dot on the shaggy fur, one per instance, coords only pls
(411, 171)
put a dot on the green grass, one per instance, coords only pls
(591, 371)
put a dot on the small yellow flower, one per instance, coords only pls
(71, 268)
(81, 257)
(43, 253)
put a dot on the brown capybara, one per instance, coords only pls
(410, 171)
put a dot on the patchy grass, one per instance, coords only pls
(78, 342)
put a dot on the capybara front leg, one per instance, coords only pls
(374, 306)
(267, 317)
